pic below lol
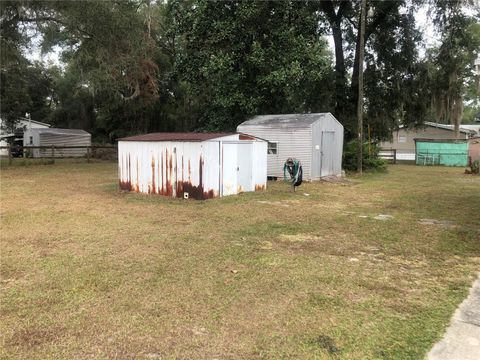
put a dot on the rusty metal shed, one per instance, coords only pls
(196, 165)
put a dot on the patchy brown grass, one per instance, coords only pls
(91, 272)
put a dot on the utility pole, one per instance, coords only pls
(361, 56)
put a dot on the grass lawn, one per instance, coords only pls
(91, 272)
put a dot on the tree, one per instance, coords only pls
(244, 58)
(391, 41)
(460, 41)
(143, 65)
(360, 85)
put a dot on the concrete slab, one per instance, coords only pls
(462, 338)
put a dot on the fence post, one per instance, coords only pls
(88, 154)
(10, 157)
(394, 156)
(53, 154)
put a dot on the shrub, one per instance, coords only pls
(371, 160)
(474, 168)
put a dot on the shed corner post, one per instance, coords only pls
(10, 157)
(220, 168)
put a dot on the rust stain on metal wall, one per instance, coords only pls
(245, 137)
(126, 185)
(154, 187)
(137, 184)
(166, 178)
(189, 171)
(175, 187)
(163, 179)
(259, 187)
(183, 170)
(159, 169)
(196, 192)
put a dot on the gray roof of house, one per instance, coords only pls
(450, 127)
(285, 120)
(466, 129)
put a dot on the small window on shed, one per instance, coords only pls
(272, 148)
(402, 139)
(31, 140)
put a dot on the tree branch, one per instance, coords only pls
(379, 18)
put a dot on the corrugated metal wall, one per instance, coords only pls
(202, 169)
(259, 165)
(47, 139)
(55, 137)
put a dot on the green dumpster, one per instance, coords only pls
(448, 152)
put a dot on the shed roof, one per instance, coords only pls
(286, 120)
(26, 121)
(176, 136)
(58, 131)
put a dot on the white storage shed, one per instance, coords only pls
(58, 138)
(314, 139)
(14, 135)
(196, 165)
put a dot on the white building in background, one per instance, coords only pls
(403, 140)
(78, 138)
(15, 136)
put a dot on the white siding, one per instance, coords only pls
(292, 142)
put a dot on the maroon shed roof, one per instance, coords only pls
(164, 136)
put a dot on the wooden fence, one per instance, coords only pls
(55, 152)
(389, 154)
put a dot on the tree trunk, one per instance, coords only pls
(360, 87)
(335, 20)
(456, 115)
(340, 79)
(355, 72)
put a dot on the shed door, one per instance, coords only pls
(229, 169)
(244, 167)
(326, 158)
